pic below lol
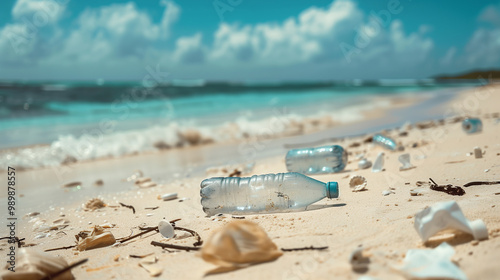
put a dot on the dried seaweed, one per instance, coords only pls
(449, 189)
(477, 183)
(128, 206)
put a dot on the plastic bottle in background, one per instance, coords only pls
(270, 193)
(326, 159)
(472, 125)
(385, 142)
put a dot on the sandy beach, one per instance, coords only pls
(383, 225)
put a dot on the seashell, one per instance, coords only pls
(237, 245)
(405, 161)
(477, 152)
(98, 238)
(379, 163)
(168, 196)
(364, 164)
(142, 180)
(33, 264)
(166, 229)
(358, 183)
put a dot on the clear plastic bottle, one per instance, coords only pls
(326, 159)
(270, 193)
(385, 142)
(472, 125)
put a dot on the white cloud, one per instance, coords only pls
(118, 30)
(189, 50)
(491, 14)
(449, 56)
(40, 12)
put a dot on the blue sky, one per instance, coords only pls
(250, 40)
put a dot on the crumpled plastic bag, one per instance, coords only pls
(447, 215)
(33, 265)
(237, 245)
(431, 264)
(97, 239)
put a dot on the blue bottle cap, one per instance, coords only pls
(332, 190)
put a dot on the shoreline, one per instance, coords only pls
(383, 224)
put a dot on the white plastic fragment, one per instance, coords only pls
(379, 163)
(477, 152)
(387, 192)
(166, 229)
(405, 161)
(431, 264)
(168, 196)
(364, 164)
(447, 215)
(357, 183)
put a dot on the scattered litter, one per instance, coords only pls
(166, 229)
(237, 245)
(477, 152)
(135, 175)
(385, 142)
(98, 238)
(359, 261)
(486, 170)
(168, 196)
(142, 180)
(238, 217)
(456, 161)
(364, 164)
(358, 183)
(32, 264)
(107, 225)
(421, 183)
(417, 192)
(72, 185)
(379, 163)
(405, 161)
(149, 214)
(472, 125)
(387, 192)
(150, 264)
(93, 204)
(447, 215)
(304, 249)
(184, 199)
(431, 264)
(449, 189)
(99, 183)
(31, 214)
(147, 185)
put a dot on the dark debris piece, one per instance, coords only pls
(477, 183)
(449, 189)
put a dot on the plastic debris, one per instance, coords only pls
(98, 238)
(237, 245)
(168, 196)
(477, 152)
(405, 161)
(358, 183)
(364, 164)
(72, 185)
(32, 264)
(379, 163)
(150, 264)
(384, 141)
(320, 160)
(142, 180)
(387, 192)
(472, 125)
(94, 203)
(359, 261)
(431, 264)
(447, 215)
(166, 229)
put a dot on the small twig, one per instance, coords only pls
(140, 257)
(238, 217)
(152, 208)
(71, 266)
(60, 248)
(477, 183)
(171, 246)
(128, 206)
(125, 239)
(199, 242)
(17, 240)
(304, 248)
